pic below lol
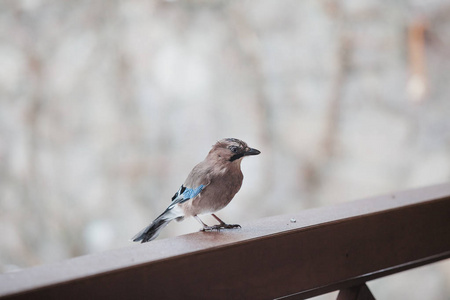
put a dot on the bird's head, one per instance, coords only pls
(232, 150)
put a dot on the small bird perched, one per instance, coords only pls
(210, 186)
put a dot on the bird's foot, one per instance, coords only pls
(211, 228)
(230, 226)
(220, 226)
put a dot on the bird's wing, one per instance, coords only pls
(197, 181)
(184, 194)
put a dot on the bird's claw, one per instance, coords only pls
(220, 226)
(211, 228)
(231, 226)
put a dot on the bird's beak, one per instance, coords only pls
(251, 151)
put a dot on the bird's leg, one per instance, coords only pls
(225, 225)
(200, 221)
(206, 227)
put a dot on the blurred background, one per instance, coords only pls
(105, 106)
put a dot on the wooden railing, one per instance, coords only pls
(295, 256)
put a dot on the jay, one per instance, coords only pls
(209, 187)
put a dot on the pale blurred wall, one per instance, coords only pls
(105, 106)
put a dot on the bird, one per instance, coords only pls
(208, 188)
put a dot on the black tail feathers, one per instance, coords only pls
(151, 232)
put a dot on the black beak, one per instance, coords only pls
(252, 151)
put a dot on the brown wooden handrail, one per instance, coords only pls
(337, 247)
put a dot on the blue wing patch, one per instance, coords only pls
(191, 193)
(185, 194)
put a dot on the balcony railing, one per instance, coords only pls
(294, 256)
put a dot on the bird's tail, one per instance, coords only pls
(151, 232)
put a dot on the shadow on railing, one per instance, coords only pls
(295, 256)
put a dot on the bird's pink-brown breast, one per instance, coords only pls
(223, 185)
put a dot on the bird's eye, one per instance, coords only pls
(234, 149)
